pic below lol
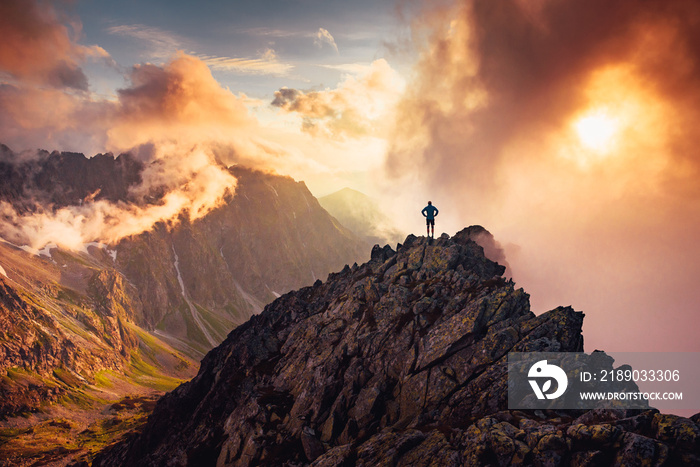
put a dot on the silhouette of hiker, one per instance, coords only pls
(429, 212)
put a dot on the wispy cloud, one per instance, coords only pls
(322, 36)
(266, 64)
(162, 44)
(269, 32)
(351, 68)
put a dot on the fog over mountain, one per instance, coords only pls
(362, 215)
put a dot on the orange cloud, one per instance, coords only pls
(36, 46)
(488, 126)
(177, 102)
(191, 124)
(357, 108)
(32, 118)
(180, 101)
(490, 75)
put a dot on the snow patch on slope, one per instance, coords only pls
(193, 310)
(101, 246)
(254, 303)
(273, 189)
(46, 251)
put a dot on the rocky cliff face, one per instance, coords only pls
(63, 320)
(400, 361)
(33, 339)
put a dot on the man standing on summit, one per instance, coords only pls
(429, 212)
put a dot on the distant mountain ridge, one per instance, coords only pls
(65, 178)
(362, 215)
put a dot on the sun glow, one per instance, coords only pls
(597, 130)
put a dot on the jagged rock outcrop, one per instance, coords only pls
(65, 178)
(400, 361)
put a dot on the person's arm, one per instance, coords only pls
(423, 212)
(436, 211)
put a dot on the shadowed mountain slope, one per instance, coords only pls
(400, 361)
(270, 238)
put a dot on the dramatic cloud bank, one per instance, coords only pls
(179, 101)
(569, 129)
(38, 48)
(174, 116)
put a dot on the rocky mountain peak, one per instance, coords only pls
(65, 178)
(413, 340)
(399, 361)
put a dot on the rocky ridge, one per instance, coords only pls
(399, 361)
(65, 178)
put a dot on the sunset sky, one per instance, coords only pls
(566, 128)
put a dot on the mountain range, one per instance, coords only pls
(94, 324)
